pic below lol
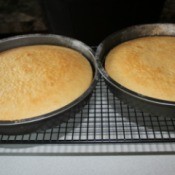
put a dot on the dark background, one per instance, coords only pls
(87, 20)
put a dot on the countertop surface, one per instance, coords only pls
(85, 159)
(94, 165)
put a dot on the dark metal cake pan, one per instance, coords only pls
(60, 115)
(146, 104)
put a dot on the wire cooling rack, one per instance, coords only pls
(105, 119)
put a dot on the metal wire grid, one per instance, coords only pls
(104, 119)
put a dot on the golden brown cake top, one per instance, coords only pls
(39, 79)
(145, 65)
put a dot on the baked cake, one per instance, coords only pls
(38, 79)
(145, 65)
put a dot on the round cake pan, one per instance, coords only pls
(146, 104)
(63, 114)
